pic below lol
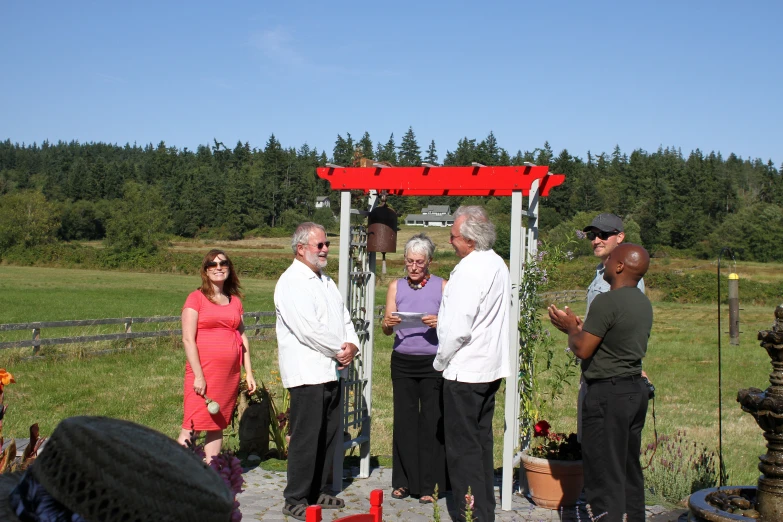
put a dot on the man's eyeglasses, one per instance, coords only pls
(419, 262)
(319, 246)
(603, 236)
(216, 264)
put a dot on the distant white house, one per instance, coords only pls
(436, 210)
(322, 201)
(432, 216)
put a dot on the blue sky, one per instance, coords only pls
(582, 75)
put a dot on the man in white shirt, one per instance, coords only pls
(315, 338)
(473, 352)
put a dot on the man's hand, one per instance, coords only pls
(564, 320)
(346, 354)
(583, 344)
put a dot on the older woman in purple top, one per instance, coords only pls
(418, 455)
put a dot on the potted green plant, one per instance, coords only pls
(543, 375)
(550, 459)
(553, 467)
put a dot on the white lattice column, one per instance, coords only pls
(511, 433)
(343, 284)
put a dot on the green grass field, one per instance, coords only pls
(52, 294)
(145, 385)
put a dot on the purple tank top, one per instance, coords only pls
(424, 340)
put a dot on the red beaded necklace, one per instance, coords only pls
(421, 284)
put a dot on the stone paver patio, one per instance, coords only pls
(263, 500)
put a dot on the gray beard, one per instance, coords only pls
(316, 261)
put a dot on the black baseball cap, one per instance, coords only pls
(606, 223)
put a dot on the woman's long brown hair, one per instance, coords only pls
(230, 287)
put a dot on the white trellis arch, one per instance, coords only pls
(357, 276)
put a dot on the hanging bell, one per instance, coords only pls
(382, 230)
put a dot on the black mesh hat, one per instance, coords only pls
(108, 469)
(606, 223)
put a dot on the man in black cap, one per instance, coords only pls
(605, 232)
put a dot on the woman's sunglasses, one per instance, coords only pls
(603, 236)
(216, 264)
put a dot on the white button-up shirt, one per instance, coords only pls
(312, 324)
(474, 319)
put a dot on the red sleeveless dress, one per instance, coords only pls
(220, 351)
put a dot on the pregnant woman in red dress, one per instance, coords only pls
(215, 346)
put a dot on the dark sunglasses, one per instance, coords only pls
(219, 264)
(326, 244)
(603, 236)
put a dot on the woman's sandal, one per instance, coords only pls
(426, 499)
(401, 493)
(297, 511)
(330, 502)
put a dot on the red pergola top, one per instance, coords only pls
(441, 181)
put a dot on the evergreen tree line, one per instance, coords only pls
(135, 197)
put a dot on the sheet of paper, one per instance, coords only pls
(409, 320)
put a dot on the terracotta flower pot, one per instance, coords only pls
(553, 483)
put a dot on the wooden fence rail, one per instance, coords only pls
(253, 323)
(563, 296)
(547, 298)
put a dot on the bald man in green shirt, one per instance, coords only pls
(611, 343)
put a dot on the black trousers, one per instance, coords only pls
(314, 420)
(467, 414)
(613, 414)
(418, 455)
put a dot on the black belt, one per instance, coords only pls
(614, 380)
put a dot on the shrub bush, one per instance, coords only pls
(27, 220)
(290, 219)
(750, 232)
(679, 467)
(702, 288)
(66, 255)
(219, 233)
(267, 231)
(138, 221)
(83, 220)
(325, 217)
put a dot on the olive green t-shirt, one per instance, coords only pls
(623, 319)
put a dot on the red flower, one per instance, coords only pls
(542, 428)
(555, 445)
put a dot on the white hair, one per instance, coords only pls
(302, 234)
(477, 227)
(420, 244)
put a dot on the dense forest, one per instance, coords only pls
(137, 197)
